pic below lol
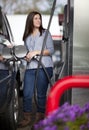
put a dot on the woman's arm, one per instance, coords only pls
(48, 50)
(49, 44)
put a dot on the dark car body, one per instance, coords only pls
(9, 109)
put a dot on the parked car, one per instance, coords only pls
(9, 108)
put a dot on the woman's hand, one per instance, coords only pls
(10, 46)
(31, 54)
(1, 58)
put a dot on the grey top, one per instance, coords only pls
(33, 43)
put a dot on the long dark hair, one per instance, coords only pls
(29, 24)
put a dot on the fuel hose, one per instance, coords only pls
(39, 61)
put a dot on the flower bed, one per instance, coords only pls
(67, 117)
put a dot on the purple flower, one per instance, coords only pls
(50, 128)
(86, 107)
(82, 127)
(88, 125)
(66, 117)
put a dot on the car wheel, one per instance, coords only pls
(9, 119)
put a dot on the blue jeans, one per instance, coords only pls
(3, 86)
(42, 86)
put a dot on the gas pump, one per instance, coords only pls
(76, 45)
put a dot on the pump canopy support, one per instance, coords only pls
(53, 100)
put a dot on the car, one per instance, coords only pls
(9, 108)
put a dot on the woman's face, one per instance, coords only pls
(37, 21)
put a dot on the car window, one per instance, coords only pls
(4, 27)
(7, 29)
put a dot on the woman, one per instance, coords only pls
(33, 38)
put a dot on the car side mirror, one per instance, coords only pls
(4, 41)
